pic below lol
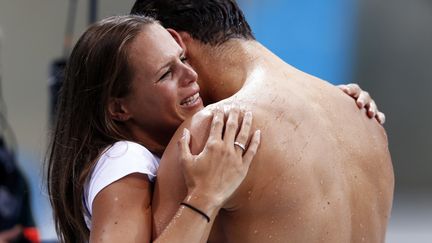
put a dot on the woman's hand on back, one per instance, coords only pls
(220, 168)
(363, 100)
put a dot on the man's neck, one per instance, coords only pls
(224, 69)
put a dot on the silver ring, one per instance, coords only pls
(242, 146)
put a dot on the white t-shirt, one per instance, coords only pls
(121, 159)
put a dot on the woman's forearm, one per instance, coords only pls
(189, 224)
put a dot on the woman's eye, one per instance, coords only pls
(183, 59)
(165, 75)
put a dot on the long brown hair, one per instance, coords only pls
(97, 70)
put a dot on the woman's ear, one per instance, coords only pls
(118, 110)
(180, 37)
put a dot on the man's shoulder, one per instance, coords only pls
(200, 118)
(199, 126)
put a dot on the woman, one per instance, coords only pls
(121, 102)
(102, 121)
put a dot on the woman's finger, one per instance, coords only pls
(231, 125)
(363, 99)
(353, 90)
(183, 145)
(252, 149)
(381, 117)
(372, 109)
(243, 136)
(343, 87)
(217, 125)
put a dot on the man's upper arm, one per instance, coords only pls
(170, 189)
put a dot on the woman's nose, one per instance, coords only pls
(189, 75)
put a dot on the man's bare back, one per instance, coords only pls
(323, 171)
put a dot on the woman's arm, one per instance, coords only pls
(122, 210)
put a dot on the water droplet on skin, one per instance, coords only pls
(321, 182)
(255, 231)
(363, 238)
(361, 225)
(270, 236)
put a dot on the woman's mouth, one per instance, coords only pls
(191, 100)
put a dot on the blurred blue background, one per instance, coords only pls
(385, 46)
(315, 36)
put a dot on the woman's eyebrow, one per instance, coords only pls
(169, 62)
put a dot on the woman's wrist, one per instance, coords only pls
(196, 210)
(208, 204)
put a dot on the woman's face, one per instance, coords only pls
(164, 87)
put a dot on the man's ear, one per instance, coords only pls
(180, 37)
(117, 110)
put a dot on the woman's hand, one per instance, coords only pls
(211, 177)
(219, 169)
(363, 100)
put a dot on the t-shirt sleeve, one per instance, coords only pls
(120, 160)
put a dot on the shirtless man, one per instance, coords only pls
(323, 172)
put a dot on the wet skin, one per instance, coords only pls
(323, 172)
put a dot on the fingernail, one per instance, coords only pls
(382, 120)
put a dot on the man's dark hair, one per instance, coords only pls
(209, 21)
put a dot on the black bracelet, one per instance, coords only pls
(196, 210)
